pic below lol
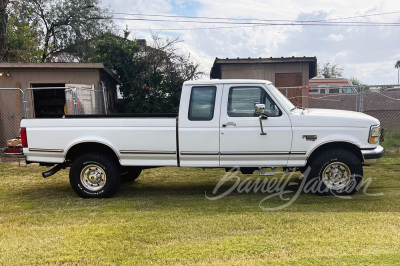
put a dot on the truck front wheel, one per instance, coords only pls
(337, 172)
(95, 175)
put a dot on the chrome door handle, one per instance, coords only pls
(229, 124)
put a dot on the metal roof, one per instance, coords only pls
(59, 66)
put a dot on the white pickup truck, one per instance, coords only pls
(221, 124)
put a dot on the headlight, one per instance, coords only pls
(374, 134)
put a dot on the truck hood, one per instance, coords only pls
(331, 118)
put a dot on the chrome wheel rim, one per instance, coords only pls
(93, 177)
(336, 175)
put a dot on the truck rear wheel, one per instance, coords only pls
(95, 175)
(337, 171)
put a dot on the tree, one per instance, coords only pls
(151, 76)
(121, 56)
(330, 70)
(65, 26)
(20, 41)
(356, 81)
(397, 65)
(3, 22)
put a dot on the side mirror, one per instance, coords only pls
(259, 108)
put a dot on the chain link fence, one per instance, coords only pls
(341, 98)
(384, 104)
(11, 112)
(80, 101)
(297, 95)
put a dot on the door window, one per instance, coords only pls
(242, 101)
(202, 102)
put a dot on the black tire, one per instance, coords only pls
(130, 173)
(302, 169)
(95, 175)
(335, 172)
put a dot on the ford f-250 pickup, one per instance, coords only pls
(221, 124)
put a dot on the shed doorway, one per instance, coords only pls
(49, 103)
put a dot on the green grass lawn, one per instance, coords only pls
(165, 218)
(392, 142)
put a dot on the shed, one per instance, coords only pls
(282, 71)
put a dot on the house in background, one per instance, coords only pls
(321, 85)
(282, 72)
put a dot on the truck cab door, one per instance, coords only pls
(242, 143)
(198, 128)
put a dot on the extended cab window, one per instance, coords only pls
(202, 102)
(242, 100)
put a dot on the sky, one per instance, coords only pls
(363, 36)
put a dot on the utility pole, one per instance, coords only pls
(397, 65)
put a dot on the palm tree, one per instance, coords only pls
(397, 65)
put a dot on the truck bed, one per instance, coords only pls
(146, 140)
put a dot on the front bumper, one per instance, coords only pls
(372, 156)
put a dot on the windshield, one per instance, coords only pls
(281, 98)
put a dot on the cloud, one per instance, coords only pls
(340, 54)
(377, 73)
(334, 37)
(368, 9)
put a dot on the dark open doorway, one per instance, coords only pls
(49, 103)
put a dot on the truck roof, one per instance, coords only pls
(227, 81)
